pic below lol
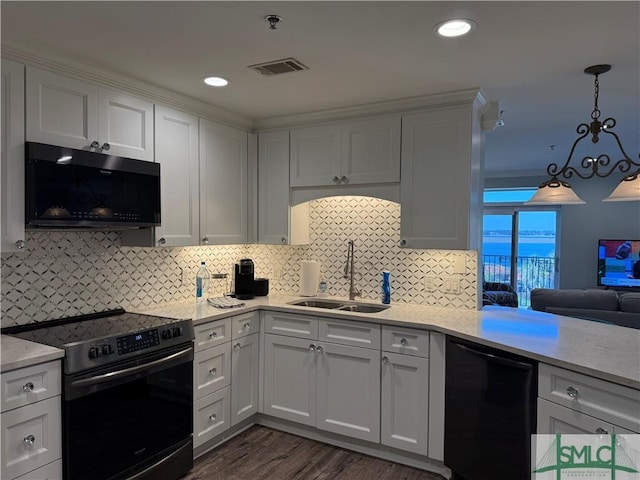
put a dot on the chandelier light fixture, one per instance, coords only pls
(556, 191)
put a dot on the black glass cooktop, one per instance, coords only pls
(68, 331)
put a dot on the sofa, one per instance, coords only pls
(498, 293)
(606, 306)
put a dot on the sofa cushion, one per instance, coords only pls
(623, 319)
(543, 298)
(630, 302)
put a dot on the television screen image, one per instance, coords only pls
(619, 263)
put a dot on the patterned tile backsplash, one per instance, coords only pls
(63, 274)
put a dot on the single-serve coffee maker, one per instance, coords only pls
(243, 279)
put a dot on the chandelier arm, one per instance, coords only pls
(565, 170)
(626, 156)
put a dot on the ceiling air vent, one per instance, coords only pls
(277, 67)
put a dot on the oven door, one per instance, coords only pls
(128, 419)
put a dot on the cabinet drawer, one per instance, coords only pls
(246, 324)
(291, 325)
(554, 418)
(211, 416)
(405, 340)
(348, 332)
(211, 370)
(213, 333)
(30, 384)
(51, 471)
(608, 401)
(30, 437)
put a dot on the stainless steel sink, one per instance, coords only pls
(338, 305)
(363, 308)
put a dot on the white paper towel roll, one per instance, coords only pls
(309, 276)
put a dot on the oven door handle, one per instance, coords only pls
(129, 371)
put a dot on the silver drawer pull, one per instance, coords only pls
(247, 326)
(403, 342)
(237, 346)
(312, 347)
(212, 417)
(319, 349)
(213, 371)
(601, 431)
(29, 440)
(28, 387)
(385, 359)
(572, 392)
(213, 335)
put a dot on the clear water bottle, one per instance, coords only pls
(203, 277)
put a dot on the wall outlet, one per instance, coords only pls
(277, 272)
(429, 283)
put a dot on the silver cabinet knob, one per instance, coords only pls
(20, 244)
(213, 371)
(344, 179)
(403, 342)
(205, 240)
(403, 242)
(213, 335)
(283, 240)
(319, 349)
(236, 346)
(312, 347)
(212, 417)
(28, 387)
(29, 440)
(336, 179)
(247, 326)
(95, 144)
(385, 359)
(162, 241)
(105, 146)
(572, 392)
(601, 431)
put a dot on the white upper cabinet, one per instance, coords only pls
(351, 153)
(73, 113)
(12, 173)
(223, 184)
(177, 153)
(278, 222)
(440, 189)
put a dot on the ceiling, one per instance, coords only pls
(529, 56)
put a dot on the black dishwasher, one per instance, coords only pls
(490, 412)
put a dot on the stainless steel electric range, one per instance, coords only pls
(127, 401)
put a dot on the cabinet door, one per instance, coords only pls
(405, 402)
(349, 391)
(61, 110)
(290, 378)
(371, 151)
(211, 416)
(440, 185)
(315, 156)
(245, 362)
(12, 172)
(273, 188)
(554, 418)
(176, 151)
(223, 184)
(125, 123)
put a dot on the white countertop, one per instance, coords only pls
(604, 351)
(18, 353)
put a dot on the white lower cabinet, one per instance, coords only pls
(211, 416)
(51, 471)
(405, 402)
(245, 367)
(554, 418)
(211, 369)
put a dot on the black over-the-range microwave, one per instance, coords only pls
(73, 188)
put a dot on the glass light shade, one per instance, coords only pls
(562, 194)
(628, 190)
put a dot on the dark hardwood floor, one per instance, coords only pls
(261, 453)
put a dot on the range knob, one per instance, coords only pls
(95, 352)
(177, 331)
(166, 334)
(107, 349)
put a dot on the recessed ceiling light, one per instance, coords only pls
(215, 81)
(455, 27)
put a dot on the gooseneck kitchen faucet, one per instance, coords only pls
(348, 272)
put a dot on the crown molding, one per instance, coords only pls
(475, 96)
(144, 90)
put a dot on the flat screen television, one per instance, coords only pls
(619, 263)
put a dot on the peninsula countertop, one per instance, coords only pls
(604, 351)
(18, 353)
